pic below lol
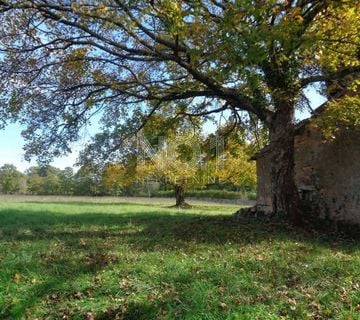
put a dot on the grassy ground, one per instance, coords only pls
(92, 259)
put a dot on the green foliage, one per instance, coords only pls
(87, 181)
(232, 164)
(67, 181)
(339, 115)
(183, 58)
(88, 258)
(194, 161)
(238, 169)
(11, 180)
(48, 180)
(342, 22)
(44, 180)
(175, 162)
(118, 179)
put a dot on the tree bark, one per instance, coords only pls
(180, 197)
(284, 194)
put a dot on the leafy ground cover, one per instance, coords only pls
(107, 259)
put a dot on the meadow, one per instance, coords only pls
(88, 258)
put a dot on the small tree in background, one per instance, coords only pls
(176, 163)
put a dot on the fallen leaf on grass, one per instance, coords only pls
(124, 284)
(82, 242)
(89, 316)
(17, 277)
(223, 306)
(78, 295)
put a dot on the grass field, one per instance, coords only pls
(107, 259)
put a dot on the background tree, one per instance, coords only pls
(44, 180)
(112, 179)
(176, 162)
(51, 180)
(34, 181)
(87, 180)
(228, 153)
(63, 62)
(66, 177)
(237, 169)
(119, 178)
(11, 180)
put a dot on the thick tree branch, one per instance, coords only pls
(332, 76)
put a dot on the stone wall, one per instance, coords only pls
(327, 174)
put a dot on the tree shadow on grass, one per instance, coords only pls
(59, 272)
(155, 229)
(95, 204)
(84, 235)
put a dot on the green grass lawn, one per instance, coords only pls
(104, 259)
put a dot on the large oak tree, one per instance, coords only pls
(64, 61)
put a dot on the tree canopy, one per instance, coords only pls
(62, 62)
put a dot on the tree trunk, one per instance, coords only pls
(284, 194)
(180, 197)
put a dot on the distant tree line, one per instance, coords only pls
(48, 180)
(113, 179)
(187, 161)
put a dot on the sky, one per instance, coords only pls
(11, 142)
(11, 150)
